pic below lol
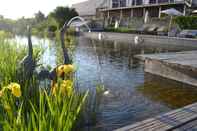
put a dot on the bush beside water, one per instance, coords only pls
(186, 22)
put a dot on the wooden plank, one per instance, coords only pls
(190, 126)
(151, 122)
(176, 120)
(168, 121)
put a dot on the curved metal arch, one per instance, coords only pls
(67, 24)
(62, 32)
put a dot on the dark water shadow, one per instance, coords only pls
(171, 93)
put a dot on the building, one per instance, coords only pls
(118, 10)
(90, 8)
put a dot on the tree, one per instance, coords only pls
(63, 14)
(39, 17)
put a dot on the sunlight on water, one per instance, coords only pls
(49, 54)
(124, 102)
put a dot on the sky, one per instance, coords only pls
(15, 9)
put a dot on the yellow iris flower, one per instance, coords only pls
(15, 89)
(69, 68)
(66, 88)
(65, 69)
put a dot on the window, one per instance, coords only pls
(118, 3)
(152, 1)
(115, 3)
(133, 2)
(163, 1)
(139, 2)
(122, 3)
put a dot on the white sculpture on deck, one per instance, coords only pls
(138, 40)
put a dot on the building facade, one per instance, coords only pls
(124, 9)
(90, 9)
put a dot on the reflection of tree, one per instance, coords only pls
(132, 51)
(6, 24)
(97, 52)
(116, 53)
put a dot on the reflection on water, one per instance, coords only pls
(122, 75)
(49, 55)
(173, 94)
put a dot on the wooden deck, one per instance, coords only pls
(184, 119)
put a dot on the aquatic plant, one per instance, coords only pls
(27, 105)
(58, 112)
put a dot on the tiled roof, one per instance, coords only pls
(88, 7)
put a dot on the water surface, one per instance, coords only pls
(131, 98)
(128, 101)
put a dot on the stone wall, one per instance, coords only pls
(149, 39)
(172, 72)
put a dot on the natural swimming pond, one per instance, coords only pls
(131, 95)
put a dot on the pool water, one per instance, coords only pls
(114, 65)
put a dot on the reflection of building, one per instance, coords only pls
(90, 8)
(121, 9)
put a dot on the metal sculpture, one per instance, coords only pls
(62, 33)
(45, 74)
(28, 64)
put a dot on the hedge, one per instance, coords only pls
(186, 22)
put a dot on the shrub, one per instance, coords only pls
(186, 22)
(52, 28)
(120, 30)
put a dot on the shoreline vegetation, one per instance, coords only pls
(41, 25)
(27, 105)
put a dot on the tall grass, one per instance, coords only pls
(10, 55)
(36, 108)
